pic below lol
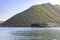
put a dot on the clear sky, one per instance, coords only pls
(9, 8)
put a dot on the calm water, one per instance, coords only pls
(17, 33)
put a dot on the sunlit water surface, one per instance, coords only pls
(21, 33)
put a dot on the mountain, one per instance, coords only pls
(38, 15)
(1, 22)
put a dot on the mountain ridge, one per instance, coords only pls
(37, 14)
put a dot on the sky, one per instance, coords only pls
(9, 8)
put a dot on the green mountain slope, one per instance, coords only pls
(44, 13)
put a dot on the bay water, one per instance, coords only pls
(28, 33)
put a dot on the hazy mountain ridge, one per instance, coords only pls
(1, 21)
(44, 13)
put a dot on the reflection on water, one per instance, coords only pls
(31, 34)
(36, 35)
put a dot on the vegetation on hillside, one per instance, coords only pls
(44, 13)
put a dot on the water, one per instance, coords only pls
(19, 33)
